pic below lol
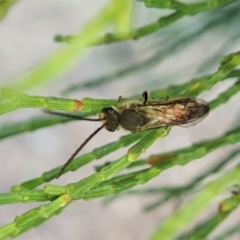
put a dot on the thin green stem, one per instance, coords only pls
(167, 193)
(188, 9)
(186, 214)
(202, 230)
(25, 196)
(15, 101)
(81, 161)
(34, 217)
(174, 192)
(63, 59)
(8, 130)
(120, 183)
(11, 129)
(39, 215)
(228, 64)
(75, 190)
(179, 157)
(5, 6)
(181, 11)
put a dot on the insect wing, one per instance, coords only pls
(198, 109)
(183, 112)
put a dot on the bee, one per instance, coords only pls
(136, 116)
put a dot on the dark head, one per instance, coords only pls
(110, 117)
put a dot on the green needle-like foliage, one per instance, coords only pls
(109, 179)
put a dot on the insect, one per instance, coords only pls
(135, 116)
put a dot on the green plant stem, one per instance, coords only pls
(5, 5)
(167, 193)
(26, 101)
(202, 230)
(64, 58)
(180, 157)
(38, 215)
(104, 150)
(123, 182)
(81, 161)
(25, 196)
(34, 217)
(228, 64)
(181, 11)
(186, 214)
(188, 9)
(75, 190)
(8, 130)
(33, 124)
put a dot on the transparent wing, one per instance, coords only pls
(183, 112)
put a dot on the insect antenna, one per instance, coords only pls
(84, 143)
(73, 116)
(78, 150)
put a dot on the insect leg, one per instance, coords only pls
(145, 97)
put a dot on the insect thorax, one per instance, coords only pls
(132, 120)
